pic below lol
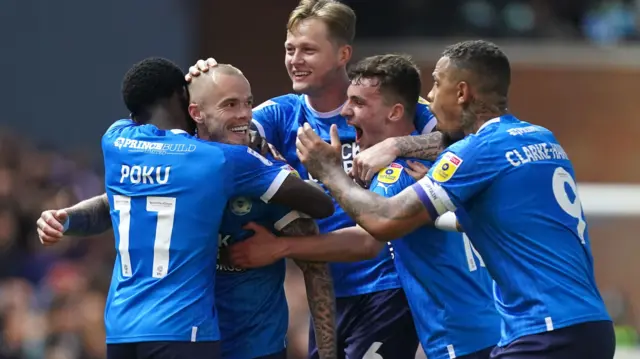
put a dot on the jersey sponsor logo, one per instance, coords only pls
(240, 206)
(145, 174)
(158, 148)
(224, 263)
(291, 170)
(259, 156)
(446, 167)
(390, 174)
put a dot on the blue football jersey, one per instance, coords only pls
(167, 192)
(252, 307)
(278, 121)
(513, 189)
(447, 285)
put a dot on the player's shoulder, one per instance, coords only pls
(395, 175)
(120, 125)
(280, 103)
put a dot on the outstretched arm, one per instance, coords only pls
(304, 197)
(89, 217)
(320, 295)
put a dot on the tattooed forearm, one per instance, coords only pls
(384, 218)
(426, 147)
(89, 217)
(320, 296)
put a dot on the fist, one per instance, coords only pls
(51, 226)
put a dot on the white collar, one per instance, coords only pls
(493, 120)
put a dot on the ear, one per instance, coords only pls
(195, 113)
(345, 52)
(396, 113)
(464, 92)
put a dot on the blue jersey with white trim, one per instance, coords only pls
(167, 192)
(278, 121)
(447, 285)
(251, 303)
(513, 189)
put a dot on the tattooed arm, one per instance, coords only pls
(427, 147)
(89, 217)
(320, 296)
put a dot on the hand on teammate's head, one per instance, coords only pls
(50, 226)
(200, 67)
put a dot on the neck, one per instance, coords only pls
(400, 129)
(161, 117)
(332, 95)
(472, 124)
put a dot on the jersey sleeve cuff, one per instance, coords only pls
(275, 185)
(259, 127)
(287, 219)
(433, 197)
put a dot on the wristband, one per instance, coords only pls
(447, 222)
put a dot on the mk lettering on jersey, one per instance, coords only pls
(536, 152)
(153, 147)
(224, 264)
(145, 174)
(446, 167)
(390, 174)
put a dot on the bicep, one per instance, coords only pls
(296, 194)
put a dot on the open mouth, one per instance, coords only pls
(240, 129)
(300, 75)
(358, 134)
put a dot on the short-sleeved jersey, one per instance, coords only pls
(167, 192)
(252, 307)
(447, 285)
(513, 189)
(278, 121)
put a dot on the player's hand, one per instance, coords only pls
(416, 170)
(317, 155)
(259, 250)
(200, 67)
(370, 161)
(260, 144)
(51, 226)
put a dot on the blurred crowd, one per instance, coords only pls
(597, 21)
(51, 299)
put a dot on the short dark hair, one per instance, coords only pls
(398, 76)
(150, 80)
(486, 61)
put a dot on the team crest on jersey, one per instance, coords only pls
(390, 174)
(240, 206)
(291, 169)
(446, 167)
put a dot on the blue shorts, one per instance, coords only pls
(592, 340)
(375, 323)
(164, 350)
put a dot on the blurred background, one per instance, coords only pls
(576, 70)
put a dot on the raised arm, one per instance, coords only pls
(320, 295)
(368, 162)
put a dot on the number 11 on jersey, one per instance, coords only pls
(165, 207)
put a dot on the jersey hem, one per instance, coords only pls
(459, 353)
(543, 329)
(367, 290)
(160, 338)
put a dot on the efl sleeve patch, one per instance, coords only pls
(446, 167)
(390, 174)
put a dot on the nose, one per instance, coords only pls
(296, 58)
(430, 96)
(347, 112)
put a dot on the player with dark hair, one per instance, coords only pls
(448, 288)
(372, 309)
(167, 197)
(513, 190)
